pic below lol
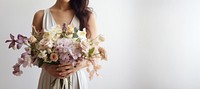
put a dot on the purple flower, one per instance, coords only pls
(17, 70)
(64, 27)
(28, 52)
(64, 57)
(12, 41)
(21, 40)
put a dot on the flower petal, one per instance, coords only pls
(19, 46)
(12, 44)
(12, 37)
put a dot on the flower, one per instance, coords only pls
(101, 38)
(42, 54)
(12, 42)
(84, 46)
(46, 35)
(21, 40)
(17, 70)
(70, 29)
(59, 45)
(82, 34)
(46, 43)
(102, 52)
(54, 57)
(55, 33)
(32, 39)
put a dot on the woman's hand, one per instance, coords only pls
(66, 69)
(52, 70)
(63, 70)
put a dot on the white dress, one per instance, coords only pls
(78, 80)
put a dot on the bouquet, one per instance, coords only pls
(60, 45)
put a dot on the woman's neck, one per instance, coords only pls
(62, 5)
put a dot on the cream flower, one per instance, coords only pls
(70, 28)
(69, 35)
(32, 39)
(55, 33)
(101, 38)
(47, 35)
(57, 30)
(42, 54)
(54, 57)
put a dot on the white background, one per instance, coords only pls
(151, 44)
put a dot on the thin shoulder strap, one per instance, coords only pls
(43, 21)
(48, 21)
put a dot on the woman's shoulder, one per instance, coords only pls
(39, 14)
(37, 19)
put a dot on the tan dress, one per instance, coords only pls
(78, 80)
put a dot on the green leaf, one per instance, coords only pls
(91, 51)
(75, 35)
(75, 30)
(78, 40)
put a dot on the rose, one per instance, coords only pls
(46, 43)
(54, 57)
(32, 39)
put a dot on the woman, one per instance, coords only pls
(74, 12)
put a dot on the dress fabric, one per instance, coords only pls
(78, 80)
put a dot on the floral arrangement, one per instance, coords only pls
(58, 46)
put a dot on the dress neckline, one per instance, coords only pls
(71, 22)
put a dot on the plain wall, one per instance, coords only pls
(151, 44)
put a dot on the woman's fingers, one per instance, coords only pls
(64, 68)
(60, 71)
(67, 73)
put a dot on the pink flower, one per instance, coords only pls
(84, 47)
(54, 57)
(102, 52)
(21, 40)
(46, 43)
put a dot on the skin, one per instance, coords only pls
(62, 13)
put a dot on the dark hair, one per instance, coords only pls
(82, 11)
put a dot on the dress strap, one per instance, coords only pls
(48, 21)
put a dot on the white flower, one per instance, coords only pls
(82, 34)
(42, 54)
(55, 33)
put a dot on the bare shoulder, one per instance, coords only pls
(37, 20)
(91, 18)
(92, 26)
